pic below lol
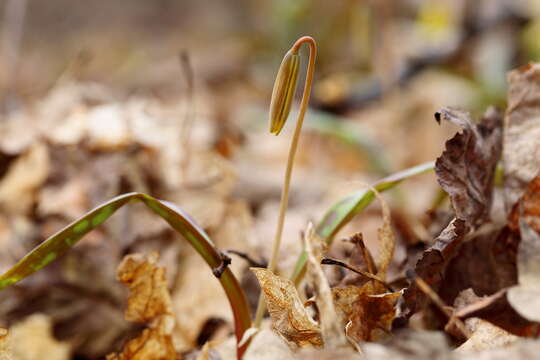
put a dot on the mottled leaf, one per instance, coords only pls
(63, 240)
(466, 168)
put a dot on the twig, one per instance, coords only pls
(435, 298)
(358, 240)
(187, 124)
(329, 261)
(252, 262)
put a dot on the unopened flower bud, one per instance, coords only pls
(283, 92)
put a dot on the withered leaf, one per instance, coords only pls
(149, 296)
(331, 330)
(387, 240)
(486, 263)
(149, 302)
(153, 344)
(521, 154)
(466, 168)
(368, 311)
(528, 207)
(432, 265)
(290, 318)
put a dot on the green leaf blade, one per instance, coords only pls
(345, 209)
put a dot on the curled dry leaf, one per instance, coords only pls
(290, 318)
(149, 302)
(521, 154)
(466, 168)
(432, 265)
(330, 322)
(466, 171)
(368, 310)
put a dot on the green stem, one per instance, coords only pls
(290, 162)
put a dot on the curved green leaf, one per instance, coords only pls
(345, 209)
(65, 239)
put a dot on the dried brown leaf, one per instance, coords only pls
(290, 318)
(149, 296)
(153, 344)
(521, 154)
(386, 237)
(332, 331)
(367, 310)
(149, 302)
(466, 168)
(486, 263)
(431, 267)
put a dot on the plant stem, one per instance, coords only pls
(290, 161)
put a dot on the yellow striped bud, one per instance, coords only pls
(283, 92)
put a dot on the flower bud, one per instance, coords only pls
(283, 92)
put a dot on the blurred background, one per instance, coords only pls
(170, 98)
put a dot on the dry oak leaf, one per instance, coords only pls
(521, 154)
(149, 302)
(290, 318)
(466, 168)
